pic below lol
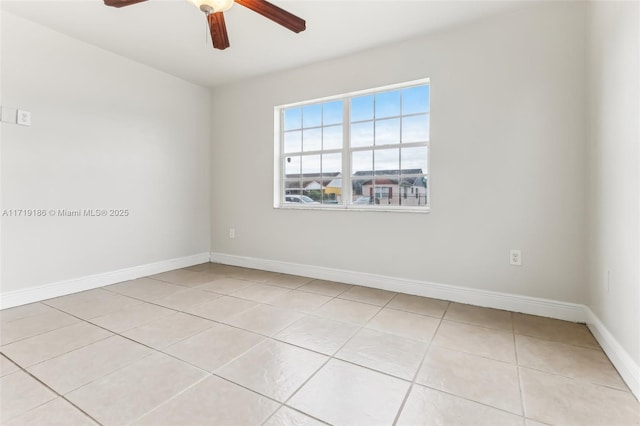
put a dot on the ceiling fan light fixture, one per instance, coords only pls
(213, 10)
(213, 6)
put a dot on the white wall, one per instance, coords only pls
(613, 179)
(107, 133)
(507, 166)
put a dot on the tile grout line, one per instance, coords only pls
(415, 376)
(171, 398)
(58, 329)
(571, 345)
(575, 379)
(330, 357)
(297, 411)
(520, 388)
(38, 334)
(59, 395)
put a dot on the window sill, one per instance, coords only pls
(356, 209)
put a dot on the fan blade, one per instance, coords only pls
(121, 3)
(218, 30)
(276, 14)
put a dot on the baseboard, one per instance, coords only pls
(628, 369)
(61, 288)
(490, 299)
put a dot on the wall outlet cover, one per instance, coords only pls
(23, 118)
(515, 257)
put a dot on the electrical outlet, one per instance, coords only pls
(23, 118)
(232, 233)
(515, 257)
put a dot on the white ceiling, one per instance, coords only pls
(172, 35)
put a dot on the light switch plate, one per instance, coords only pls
(23, 118)
(8, 115)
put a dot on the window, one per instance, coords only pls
(365, 150)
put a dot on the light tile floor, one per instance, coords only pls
(221, 345)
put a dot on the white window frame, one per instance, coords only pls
(347, 186)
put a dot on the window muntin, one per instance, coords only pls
(312, 149)
(379, 139)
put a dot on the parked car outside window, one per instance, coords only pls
(300, 199)
(366, 200)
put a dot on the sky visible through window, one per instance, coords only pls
(386, 118)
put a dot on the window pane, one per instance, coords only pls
(413, 191)
(312, 115)
(388, 104)
(312, 140)
(384, 191)
(291, 166)
(292, 186)
(332, 164)
(311, 164)
(362, 192)
(332, 113)
(362, 108)
(388, 131)
(415, 99)
(332, 198)
(369, 192)
(414, 159)
(332, 137)
(415, 128)
(362, 134)
(331, 178)
(387, 160)
(293, 141)
(362, 163)
(292, 118)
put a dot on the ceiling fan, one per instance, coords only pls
(214, 10)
